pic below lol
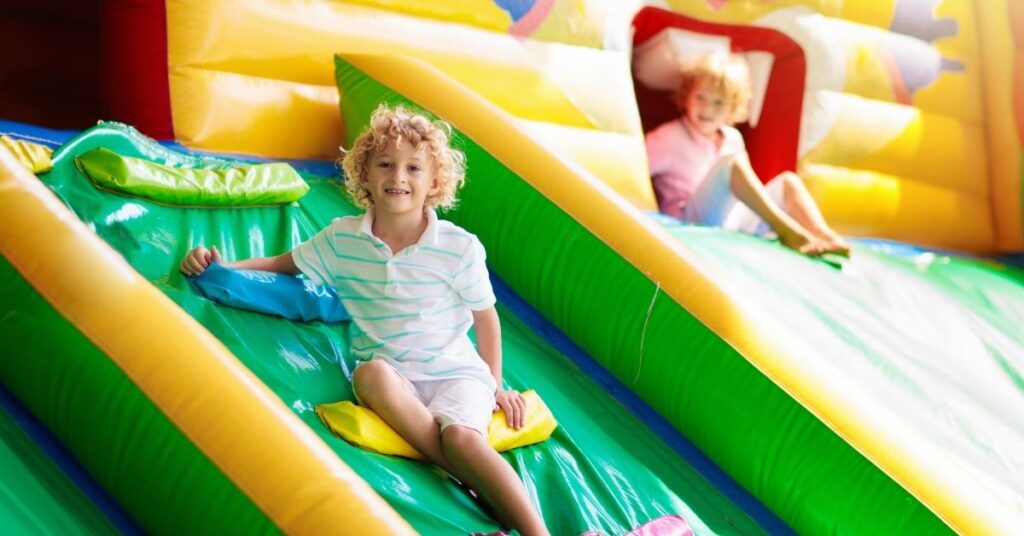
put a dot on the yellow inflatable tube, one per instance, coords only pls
(927, 473)
(230, 416)
(899, 207)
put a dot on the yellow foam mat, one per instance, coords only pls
(364, 428)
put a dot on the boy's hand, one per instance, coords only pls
(198, 259)
(514, 406)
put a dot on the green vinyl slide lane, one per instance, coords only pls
(602, 469)
(36, 495)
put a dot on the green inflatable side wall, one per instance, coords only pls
(111, 427)
(36, 496)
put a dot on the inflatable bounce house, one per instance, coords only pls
(703, 382)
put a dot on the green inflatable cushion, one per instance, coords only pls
(235, 185)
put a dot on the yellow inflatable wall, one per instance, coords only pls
(257, 77)
(908, 123)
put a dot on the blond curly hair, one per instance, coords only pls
(402, 125)
(725, 73)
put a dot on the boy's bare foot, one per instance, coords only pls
(839, 247)
(803, 243)
(833, 243)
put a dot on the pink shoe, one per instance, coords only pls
(673, 525)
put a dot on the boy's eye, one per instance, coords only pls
(414, 168)
(383, 164)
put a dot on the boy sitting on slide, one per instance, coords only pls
(414, 285)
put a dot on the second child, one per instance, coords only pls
(701, 172)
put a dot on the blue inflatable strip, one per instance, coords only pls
(322, 168)
(665, 431)
(63, 459)
(44, 136)
(270, 293)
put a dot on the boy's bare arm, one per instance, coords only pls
(199, 258)
(488, 342)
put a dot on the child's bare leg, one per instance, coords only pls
(801, 206)
(492, 477)
(380, 387)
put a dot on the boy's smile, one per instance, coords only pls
(706, 109)
(400, 179)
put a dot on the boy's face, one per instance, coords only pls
(706, 108)
(400, 179)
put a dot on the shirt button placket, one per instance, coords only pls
(390, 286)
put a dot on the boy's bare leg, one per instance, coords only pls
(380, 387)
(801, 206)
(493, 478)
(748, 189)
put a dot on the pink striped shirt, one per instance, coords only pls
(681, 159)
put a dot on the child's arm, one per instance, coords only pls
(488, 342)
(748, 189)
(199, 258)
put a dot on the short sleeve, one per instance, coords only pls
(733, 143)
(657, 152)
(310, 257)
(471, 280)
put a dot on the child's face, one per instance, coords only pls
(400, 179)
(706, 108)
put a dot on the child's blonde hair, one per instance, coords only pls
(725, 73)
(401, 125)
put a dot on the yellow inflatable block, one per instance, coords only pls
(900, 208)
(899, 140)
(955, 94)
(877, 13)
(481, 13)
(229, 112)
(364, 428)
(35, 157)
(619, 160)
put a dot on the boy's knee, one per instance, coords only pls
(788, 178)
(370, 376)
(460, 437)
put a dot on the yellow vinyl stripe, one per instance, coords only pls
(1004, 145)
(231, 416)
(912, 461)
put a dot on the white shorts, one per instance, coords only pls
(714, 205)
(463, 401)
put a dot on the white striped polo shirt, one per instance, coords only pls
(412, 309)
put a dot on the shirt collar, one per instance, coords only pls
(697, 137)
(429, 237)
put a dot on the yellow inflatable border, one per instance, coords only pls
(231, 416)
(909, 459)
(1005, 148)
